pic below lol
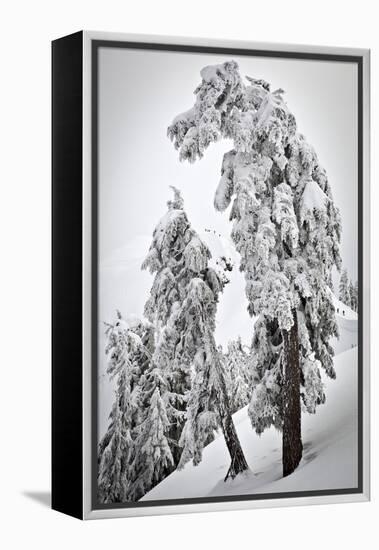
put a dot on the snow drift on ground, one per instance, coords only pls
(329, 438)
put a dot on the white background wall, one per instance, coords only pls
(27, 28)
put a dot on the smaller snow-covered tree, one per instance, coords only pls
(239, 372)
(356, 294)
(152, 460)
(174, 257)
(127, 357)
(348, 291)
(344, 288)
(113, 455)
(353, 291)
(182, 307)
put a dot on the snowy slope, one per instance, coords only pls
(329, 437)
(348, 327)
(344, 312)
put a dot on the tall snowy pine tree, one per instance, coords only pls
(286, 229)
(182, 308)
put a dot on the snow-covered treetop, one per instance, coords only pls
(284, 220)
(183, 278)
(177, 203)
(227, 107)
(176, 246)
(193, 131)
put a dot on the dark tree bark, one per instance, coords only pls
(238, 462)
(292, 444)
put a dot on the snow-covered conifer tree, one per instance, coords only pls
(240, 376)
(286, 229)
(182, 307)
(353, 294)
(128, 356)
(344, 289)
(356, 296)
(167, 260)
(351, 303)
(152, 459)
(114, 450)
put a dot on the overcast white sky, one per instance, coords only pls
(140, 92)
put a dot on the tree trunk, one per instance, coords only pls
(292, 445)
(176, 451)
(238, 462)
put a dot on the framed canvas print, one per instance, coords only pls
(210, 275)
